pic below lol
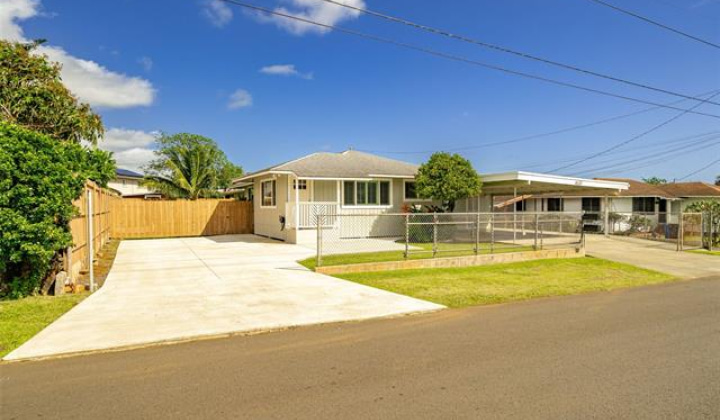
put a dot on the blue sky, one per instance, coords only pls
(197, 66)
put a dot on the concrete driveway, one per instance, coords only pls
(175, 289)
(659, 256)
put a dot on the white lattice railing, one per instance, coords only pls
(309, 211)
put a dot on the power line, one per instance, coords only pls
(457, 57)
(662, 145)
(692, 147)
(655, 162)
(700, 170)
(507, 50)
(532, 136)
(652, 22)
(658, 161)
(634, 138)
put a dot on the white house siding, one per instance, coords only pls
(325, 191)
(267, 220)
(128, 186)
(361, 222)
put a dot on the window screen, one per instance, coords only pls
(555, 204)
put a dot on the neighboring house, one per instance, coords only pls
(288, 196)
(127, 183)
(659, 204)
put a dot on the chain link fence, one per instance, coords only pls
(370, 237)
(699, 231)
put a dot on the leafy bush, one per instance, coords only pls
(32, 95)
(447, 178)
(711, 208)
(39, 178)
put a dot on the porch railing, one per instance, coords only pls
(308, 214)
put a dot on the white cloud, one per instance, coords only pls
(241, 98)
(131, 148)
(118, 139)
(134, 159)
(11, 10)
(285, 70)
(88, 80)
(217, 12)
(146, 63)
(314, 10)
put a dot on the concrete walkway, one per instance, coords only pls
(175, 289)
(657, 256)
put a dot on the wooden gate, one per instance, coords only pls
(140, 218)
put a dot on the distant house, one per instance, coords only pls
(288, 196)
(659, 204)
(127, 183)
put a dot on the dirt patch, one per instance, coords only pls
(102, 264)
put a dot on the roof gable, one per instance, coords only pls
(347, 164)
(691, 189)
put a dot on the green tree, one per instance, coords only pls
(188, 166)
(228, 172)
(39, 178)
(711, 208)
(717, 180)
(32, 95)
(447, 178)
(653, 180)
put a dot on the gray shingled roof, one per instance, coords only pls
(347, 164)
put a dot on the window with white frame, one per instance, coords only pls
(268, 193)
(300, 184)
(366, 193)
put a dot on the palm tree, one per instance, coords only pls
(717, 180)
(187, 167)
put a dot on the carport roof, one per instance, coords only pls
(522, 183)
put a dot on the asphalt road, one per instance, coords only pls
(651, 353)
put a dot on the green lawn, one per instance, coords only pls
(458, 287)
(705, 251)
(23, 318)
(446, 250)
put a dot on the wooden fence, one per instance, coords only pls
(102, 200)
(117, 217)
(139, 218)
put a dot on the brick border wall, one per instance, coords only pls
(467, 261)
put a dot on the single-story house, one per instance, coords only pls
(127, 183)
(659, 204)
(288, 196)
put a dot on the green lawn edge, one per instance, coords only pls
(446, 251)
(500, 283)
(705, 252)
(21, 319)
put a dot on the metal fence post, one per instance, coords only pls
(477, 233)
(702, 230)
(318, 227)
(435, 230)
(90, 239)
(407, 235)
(537, 229)
(710, 231)
(492, 233)
(680, 230)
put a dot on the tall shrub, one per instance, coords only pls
(448, 178)
(39, 179)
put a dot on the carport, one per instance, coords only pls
(516, 186)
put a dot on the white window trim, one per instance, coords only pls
(413, 200)
(262, 198)
(365, 206)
